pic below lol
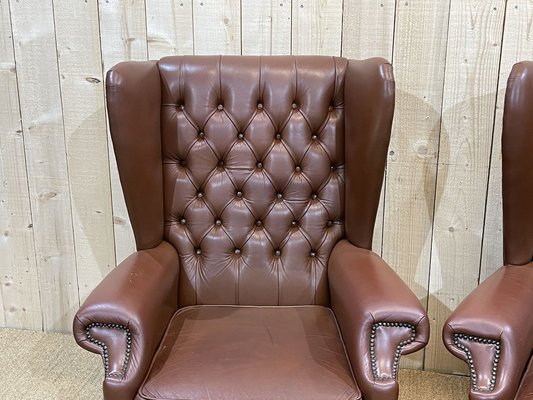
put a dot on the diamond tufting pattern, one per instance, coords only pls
(253, 170)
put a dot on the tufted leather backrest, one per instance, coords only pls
(255, 169)
(517, 182)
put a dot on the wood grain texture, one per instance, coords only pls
(217, 27)
(169, 28)
(368, 28)
(473, 55)
(20, 304)
(414, 147)
(266, 27)
(82, 92)
(317, 27)
(44, 140)
(123, 38)
(517, 46)
(368, 31)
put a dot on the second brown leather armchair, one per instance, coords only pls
(492, 329)
(252, 185)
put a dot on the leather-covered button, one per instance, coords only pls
(312, 254)
(294, 223)
(201, 135)
(332, 168)
(259, 165)
(298, 168)
(218, 222)
(183, 163)
(314, 196)
(220, 107)
(240, 136)
(198, 251)
(237, 252)
(330, 108)
(182, 107)
(199, 195)
(330, 223)
(277, 253)
(183, 221)
(314, 137)
(279, 196)
(278, 136)
(294, 106)
(260, 106)
(221, 163)
(238, 194)
(258, 223)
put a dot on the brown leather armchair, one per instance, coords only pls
(252, 185)
(492, 329)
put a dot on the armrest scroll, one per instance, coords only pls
(379, 316)
(126, 315)
(492, 331)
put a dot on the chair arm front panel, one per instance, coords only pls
(492, 331)
(126, 315)
(380, 318)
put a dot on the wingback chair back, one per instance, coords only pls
(517, 171)
(251, 168)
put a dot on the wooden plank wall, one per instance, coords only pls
(63, 222)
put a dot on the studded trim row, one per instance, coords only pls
(105, 353)
(469, 359)
(398, 351)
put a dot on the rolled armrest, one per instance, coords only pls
(492, 331)
(126, 315)
(380, 318)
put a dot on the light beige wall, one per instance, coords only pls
(63, 223)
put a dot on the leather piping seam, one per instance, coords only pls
(103, 346)
(398, 351)
(470, 360)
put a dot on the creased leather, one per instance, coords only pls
(140, 294)
(498, 309)
(365, 290)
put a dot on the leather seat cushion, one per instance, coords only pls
(245, 352)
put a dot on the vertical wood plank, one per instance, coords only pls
(368, 28)
(473, 54)
(80, 69)
(419, 59)
(368, 31)
(40, 103)
(20, 305)
(217, 27)
(169, 27)
(266, 27)
(123, 38)
(517, 46)
(317, 27)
